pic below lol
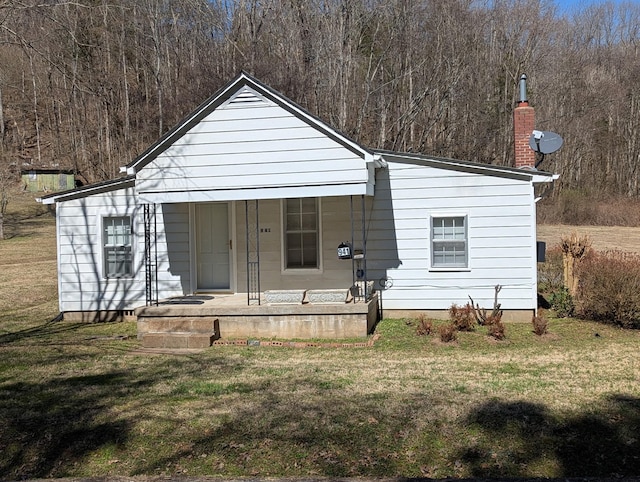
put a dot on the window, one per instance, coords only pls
(117, 247)
(301, 233)
(449, 242)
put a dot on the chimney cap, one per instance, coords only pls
(523, 89)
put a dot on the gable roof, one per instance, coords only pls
(236, 88)
(88, 190)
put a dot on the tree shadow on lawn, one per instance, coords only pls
(306, 425)
(341, 436)
(43, 331)
(49, 428)
(516, 437)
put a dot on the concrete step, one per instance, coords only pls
(177, 340)
(167, 324)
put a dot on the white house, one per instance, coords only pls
(250, 198)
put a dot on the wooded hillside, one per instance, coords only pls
(89, 84)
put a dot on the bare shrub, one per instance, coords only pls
(462, 317)
(448, 333)
(609, 289)
(480, 314)
(497, 330)
(424, 326)
(574, 249)
(550, 273)
(540, 324)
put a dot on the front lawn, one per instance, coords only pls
(78, 400)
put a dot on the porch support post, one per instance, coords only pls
(253, 251)
(359, 256)
(364, 250)
(150, 254)
(354, 287)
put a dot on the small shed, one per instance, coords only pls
(49, 180)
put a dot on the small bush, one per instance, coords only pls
(540, 324)
(497, 330)
(609, 289)
(424, 326)
(462, 317)
(562, 303)
(448, 333)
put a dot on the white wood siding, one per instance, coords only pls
(336, 227)
(82, 284)
(501, 238)
(254, 145)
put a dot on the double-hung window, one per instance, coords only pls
(301, 233)
(449, 245)
(116, 244)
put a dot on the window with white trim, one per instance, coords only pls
(449, 246)
(301, 233)
(116, 245)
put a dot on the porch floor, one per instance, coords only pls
(202, 318)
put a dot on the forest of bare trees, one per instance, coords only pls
(89, 84)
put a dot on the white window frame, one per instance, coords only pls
(452, 239)
(107, 247)
(318, 232)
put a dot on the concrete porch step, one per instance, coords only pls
(177, 340)
(185, 324)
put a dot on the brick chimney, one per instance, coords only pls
(524, 120)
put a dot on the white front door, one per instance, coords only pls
(213, 246)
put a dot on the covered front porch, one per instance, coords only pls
(196, 321)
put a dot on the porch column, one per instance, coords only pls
(253, 252)
(359, 256)
(150, 254)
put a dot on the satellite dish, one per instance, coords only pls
(545, 142)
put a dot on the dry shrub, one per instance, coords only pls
(424, 326)
(609, 289)
(462, 317)
(540, 324)
(448, 333)
(496, 330)
(550, 273)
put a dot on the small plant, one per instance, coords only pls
(424, 326)
(497, 330)
(561, 302)
(462, 317)
(540, 324)
(448, 333)
(480, 314)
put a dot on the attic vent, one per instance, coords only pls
(246, 97)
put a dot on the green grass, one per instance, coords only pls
(77, 400)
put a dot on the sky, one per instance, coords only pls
(570, 6)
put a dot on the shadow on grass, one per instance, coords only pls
(51, 428)
(206, 413)
(339, 436)
(286, 434)
(44, 330)
(518, 436)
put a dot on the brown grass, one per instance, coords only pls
(602, 237)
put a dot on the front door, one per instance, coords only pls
(213, 245)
